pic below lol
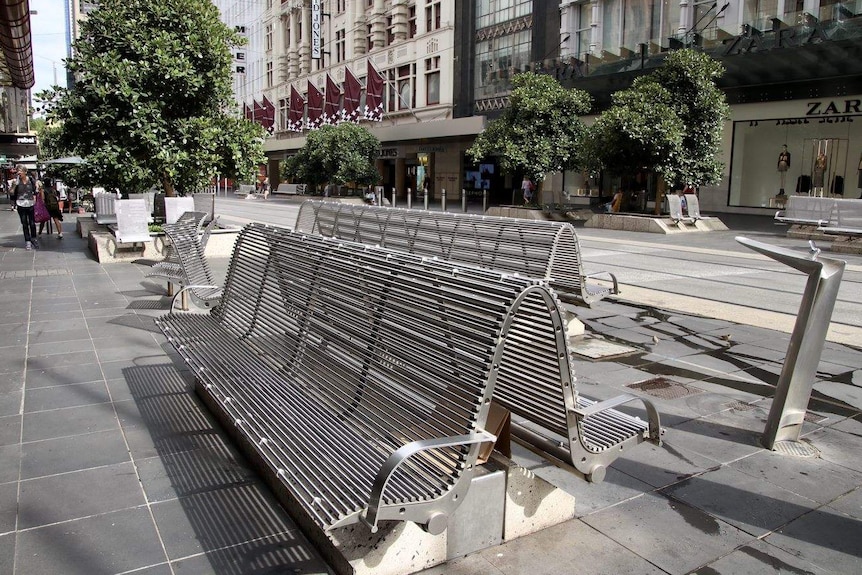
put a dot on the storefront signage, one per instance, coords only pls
(833, 107)
(388, 153)
(756, 41)
(429, 149)
(316, 13)
(18, 139)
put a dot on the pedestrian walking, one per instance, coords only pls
(51, 198)
(527, 189)
(24, 196)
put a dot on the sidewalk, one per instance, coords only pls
(110, 464)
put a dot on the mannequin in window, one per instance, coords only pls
(783, 166)
(859, 183)
(817, 176)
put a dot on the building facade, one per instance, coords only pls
(794, 78)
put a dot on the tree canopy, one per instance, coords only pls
(338, 154)
(540, 132)
(670, 121)
(152, 97)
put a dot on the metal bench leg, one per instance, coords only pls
(170, 289)
(184, 301)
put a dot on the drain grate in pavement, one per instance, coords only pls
(740, 406)
(814, 417)
(33, 273)
(664, 388)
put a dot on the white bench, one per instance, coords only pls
(290, 189)
(845, 218)
(674, 206)
(806, 210)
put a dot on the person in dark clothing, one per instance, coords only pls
(24, 197)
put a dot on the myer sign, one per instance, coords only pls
(315, 28)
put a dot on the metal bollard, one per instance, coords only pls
(787, 415)
(394, 194)
(409, 199)
(443, 199)
(463, 200)
(484, 201)
(426, 199)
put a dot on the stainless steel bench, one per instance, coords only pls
(845, 218)
(534, 248)
(674, 207)
(361, 377)
(805, 210)
(186, 264)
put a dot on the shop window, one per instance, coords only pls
(432, 80)
(823, 155)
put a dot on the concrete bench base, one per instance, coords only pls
(655, 225)
(86, 224)
(838, 243)
(102, 246)
(516, 212)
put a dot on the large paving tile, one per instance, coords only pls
(825, 537)
(10, 459)
(815, 478)
(557, 549)
(669, 534)
(193, 471)
(47, 337)
(282, 553)
(219, 518)
(12, 359)
(62, 359)
(10, 429)
(758, 558)
(71, 374)
(751, 504)
(474, 564)
(10, 402)
(73, 395)
(59, 347)
(7, 552)
(8, 506)
(78, 494)
(663, 465)
(850, 504)
(589, 497)
(52, 456)
(725, 436)
(112, 543)
(38, 327)
(841, 444)
(69, 421)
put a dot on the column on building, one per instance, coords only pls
(357, 14)
(400, 16)
(378, 25)
(293, 47)
(305, 43)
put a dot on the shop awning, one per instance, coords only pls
(16, 44)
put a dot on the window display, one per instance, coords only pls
(814, 158)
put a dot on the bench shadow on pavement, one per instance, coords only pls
(238, 527)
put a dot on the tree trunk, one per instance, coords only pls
(168, 186)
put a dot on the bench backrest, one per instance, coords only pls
(809, 208)
(104, 204)
(846, 214)
(188, 250)
(533, 248)
(674, 207)
(693, 206)
(404, 347)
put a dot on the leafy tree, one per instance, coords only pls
(690, 76)
(150, 101)
(338, 154)
(670, 122)
(50, 148)
(540, 132)
(640, 130)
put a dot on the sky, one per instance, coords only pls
(48, 29)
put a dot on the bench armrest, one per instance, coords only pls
(652, 412)
(402, 454)
(605, 276)
(179, 293)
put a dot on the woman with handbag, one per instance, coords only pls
(24, 197)
(51, 201)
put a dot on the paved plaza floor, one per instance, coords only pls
(110, 464)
